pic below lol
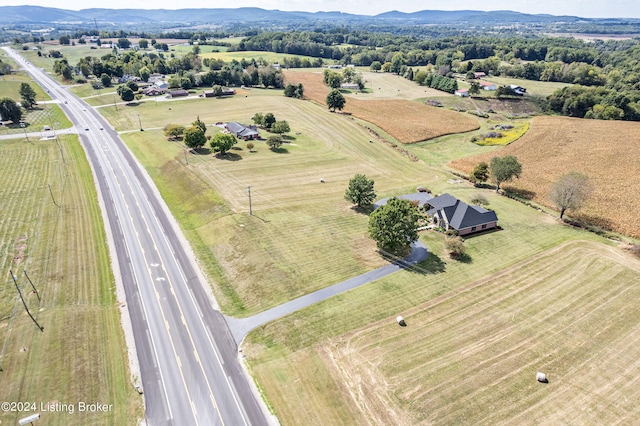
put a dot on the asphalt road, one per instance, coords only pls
(188, 358)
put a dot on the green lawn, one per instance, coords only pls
(80, 355)
(10, 87)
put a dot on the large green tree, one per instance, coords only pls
(10, 110)
(504, 169)
(126, 94)
(571, 191)
(360, 191)
(335, 100)
(222, 142)
(194, 137)
(28, 95)
(173, 131)
(480, 173)
(280, 127)
(274, 142)
(394, 226)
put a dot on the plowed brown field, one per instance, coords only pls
(406, 121)
(607, 151)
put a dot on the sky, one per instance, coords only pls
(582, 8)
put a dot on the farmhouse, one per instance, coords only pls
(242, 132)
(451, 213)
(487, 86)
(479, 74)
(462, 93)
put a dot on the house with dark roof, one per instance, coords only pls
(242, 132)
(450, 213)
(177, 93)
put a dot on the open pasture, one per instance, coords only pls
(607, 151)
(80, 355)
(406, 121)
(303, 235)
(306, 374)
(471, 356)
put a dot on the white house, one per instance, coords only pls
(487, 85)
(462, 93)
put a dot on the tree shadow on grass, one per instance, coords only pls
(366, 210)
(432, 264)
(201, 151)
(280, 150)
(463, 258)
(229, 156)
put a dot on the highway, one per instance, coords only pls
(188, 359)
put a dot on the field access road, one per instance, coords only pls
(241, 326)
(188, 359)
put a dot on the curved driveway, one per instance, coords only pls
(241, 326)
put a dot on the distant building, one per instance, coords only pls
(520, 91)
(479, 74)
(349, 86)
(462, 93)
(487, 85)
(177, 93)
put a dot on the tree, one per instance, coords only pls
(173, 131)
(124, 43)
(280, 127)
(64, 40)
(222, 142)
(143, 43)
(503, 169)
(274, 142)
(455, 246)
(571, 191)
(335, 100)
(144, 73)
(200, 124)
(268, 120)
(480, 173)
(360, 191)
(250, 146)
(394, 225)
(474, 88)
(28, 95)
(126, 94)
(294, 91)
(258, 118)
(194, 137)
(105, 79)
(375, 66)
(10, 110)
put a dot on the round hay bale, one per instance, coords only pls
(541, 377)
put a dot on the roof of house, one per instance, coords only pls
(461, 215)
(486, 83)
(241, 130)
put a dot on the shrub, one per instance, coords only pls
(455, 246)
(250, 146)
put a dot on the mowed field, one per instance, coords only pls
(80, 356)
(607, 151)
(303, 235)
(404, 120)
(533, 297)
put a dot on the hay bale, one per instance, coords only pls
(541, 377)
(400, 321)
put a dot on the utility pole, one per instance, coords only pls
(26, 135)
(140, 123)
(23, 302)
(249, 191)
